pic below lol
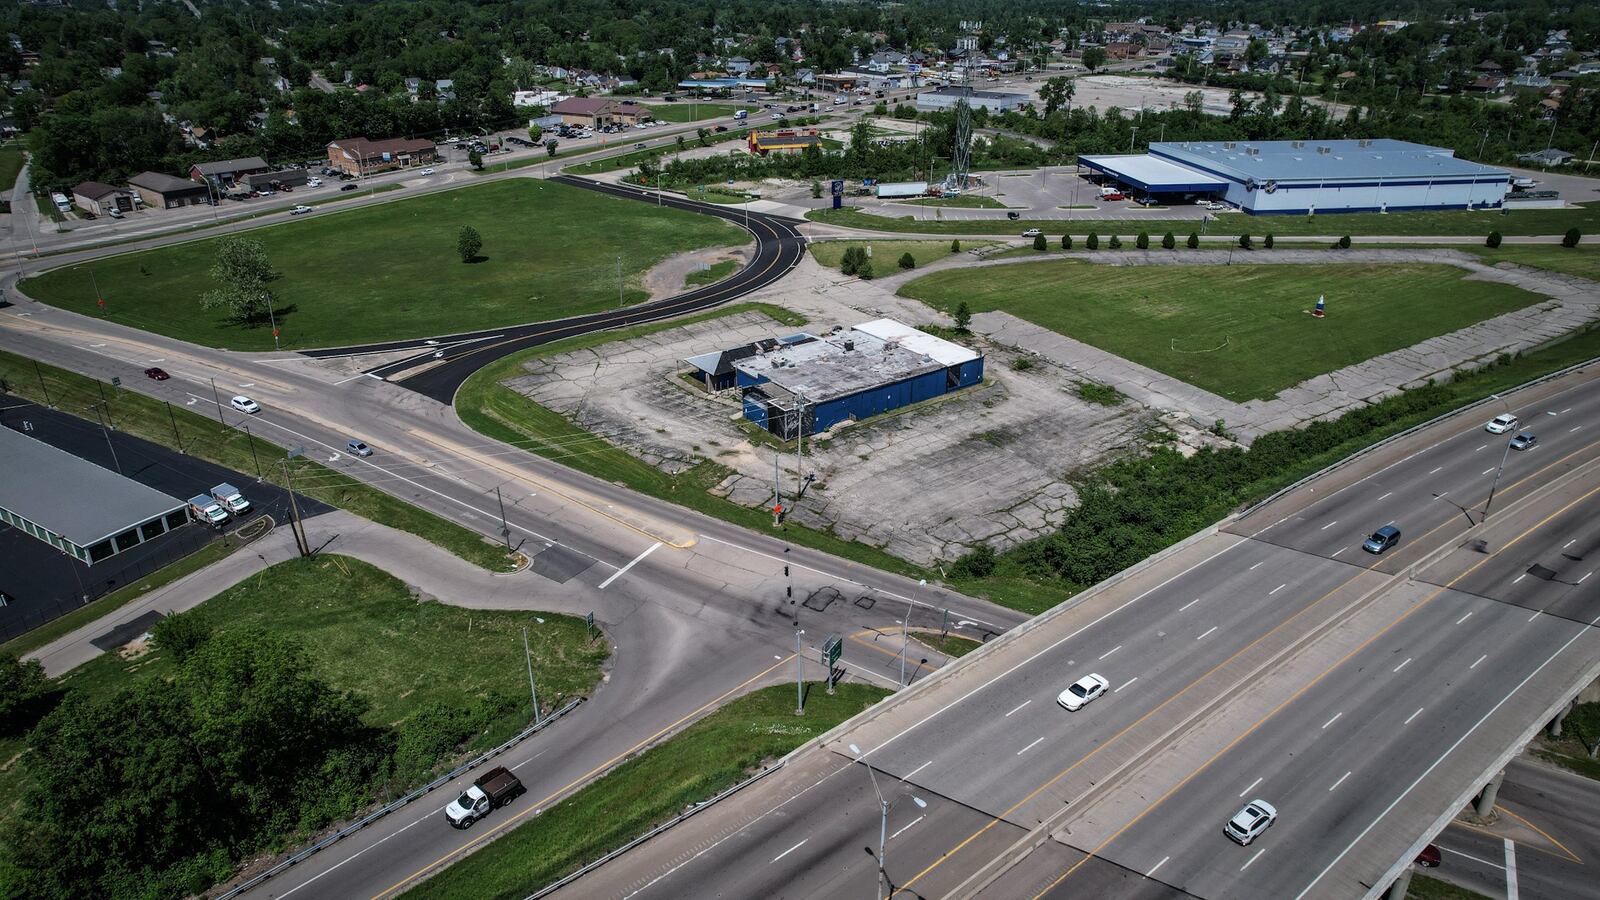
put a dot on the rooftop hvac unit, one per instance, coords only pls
(1324, 150)
(1297, 144)
(1254, 151)
(1364, 143)
(1228, 145)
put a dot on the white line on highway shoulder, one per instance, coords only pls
(1403, 665)
(1480, 659)
(1585, 575)
(913, 773)
(633, 562)
(1128, 683)
(1251, 787)
(1511, 870)
(1152, 872)
(1332, 720)
(1535, 614)
(1465, 617)
(1019, 706)
(789, 851)
(1413, 715)
(1339, 782)
(1208, 631)
(1253, 859)
(1569, 543)
(1030, 746)
(1111, 651)
(905, 826)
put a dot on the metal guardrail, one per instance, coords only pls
(675, 820)
(301, 856)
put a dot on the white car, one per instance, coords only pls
(1216, 205)
(777, 116)
(1247, 825)
(1082, 692)
(1502, 423)
(245, 405)
(300, 210)
(1032, 232)
(314, 182)
(426, 172)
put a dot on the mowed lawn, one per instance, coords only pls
(1582, 260)
(684, 111)
(1243, 332)
(391, 271)
(886, 254)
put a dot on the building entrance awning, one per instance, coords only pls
(1153, 174)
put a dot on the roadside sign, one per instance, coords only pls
(832, 650)
(116, 381)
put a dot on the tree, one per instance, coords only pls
(1142, 242)
(243, 269)
(1093, 58)
(1571, 238)
(181, 634)
(22, 682)
(1245, 243)
(1039, 243)
(816, 190)
(1267, 241)
(1168, 242)
(1092, 241)
(468, 243)
(850, 262)
(535, 133)
(907, 261)
(1115, 243)
(550, 147)
(1344, 242)
(864, 271)
(475, 159)
(955, 246)
(1066, 242)
(963, 316)
(1056, 93)
(704, 134)
(1493, 240)
(1193, 241)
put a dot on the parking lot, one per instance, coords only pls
(41, 583)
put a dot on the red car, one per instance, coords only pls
(1113, 197)
(157, 373)
(1429, 857)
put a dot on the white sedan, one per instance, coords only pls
(1216, 204)
(1082, 691)
(1502, 423)
(426, 172)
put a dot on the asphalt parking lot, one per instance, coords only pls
(41, 583)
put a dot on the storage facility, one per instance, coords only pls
(809, 383)
(1308, 177)
(85, 511)
(948, 97)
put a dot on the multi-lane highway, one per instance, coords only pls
(1364, 696)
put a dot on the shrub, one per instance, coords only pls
(1344, 242)
(1039, 243)
(907, 261)
(1168, 242)
(963, 316)
(1493, 240)
(1267, 242)
(1066, 242)
(1245, 243)
(955, 246)
(1142, 241)
(850, 263)
(1115, 243)
(1571, 238)
(977, 563)
(180, 634)
(864, 271)
(1193, 241)
(816, 190)
(1092, 241)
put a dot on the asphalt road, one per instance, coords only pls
(1275, 659)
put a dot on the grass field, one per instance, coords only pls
(708, 757)
(887, 253)
(1243, 332)
(951, 645)
(963, 201)
(689, 112)
(368, 635)
(1583, 261)
(391, 271)
(11, 160)
(204, 438)
(1425, 888)
(1531, 221)
(712, 274)
(633, 158)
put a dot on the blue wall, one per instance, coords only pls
(873, 402)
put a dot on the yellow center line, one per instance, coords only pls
(1309, 685)
(535, 807)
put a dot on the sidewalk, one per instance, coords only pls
(436, 573)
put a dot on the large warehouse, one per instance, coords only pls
(872, 368)
(1307, 177)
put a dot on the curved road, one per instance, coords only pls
(440, 372)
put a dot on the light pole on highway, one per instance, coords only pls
(1490, 502)
(905, 631)
(883, 818)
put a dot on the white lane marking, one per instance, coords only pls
(1158, 865)
(903, 828)
(1535, 614)
(1338, 551)
(1465, 617)
(1189, 604)
(1413, 716)
(1252, 786)
(1127, 683)
(1567, 410)
(1385, 496)
(1573, 428)
(1569, 543)
(1253, 859)
(1019, 707)
(1480, 448)
(1480, 659)
(1030, 746)
(1475, 859)
(1332, 720)
(1487, 471)
(631, 563)
(1111, 651)
(1435, 469)
(1208, 631)
(1403, 665)
(1519, 578)
(1585, 575)
(1256, 566)
(1511, 870)
(789, 851)
(912, 774)
(1276, 589)
(1339, 782)
(1329, 525)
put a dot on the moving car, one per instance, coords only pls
(426, 172)
(300, 210)
(358, 448)
(245, 405)
(1032, 232)
(347, 187)
(638, 146)
(1082, 691)
(1524, 441)
(1382, 539)
(157, 373)
(314, 182)
(495, 789)
(1502, 423)
(1429, 858)
(1247, 825)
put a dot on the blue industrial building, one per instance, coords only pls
(1308, 177)
(805, 383)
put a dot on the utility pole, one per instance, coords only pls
(533, 690)
(1490, 502)
(799, 686)
(39, 372)
(251, 439)
(217, 399)
(788, 590)
(107, 434)
(619, 281)
(777, 490)
(905, 632)
(300, 542)
(102, 389)
(176, 437)
(799, 451)
(505, 530)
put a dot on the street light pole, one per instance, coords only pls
(883, 819)
(905, 632)
(1490, 502)
(531, 688)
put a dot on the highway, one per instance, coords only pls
(1365, 696)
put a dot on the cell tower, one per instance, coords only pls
(961, 152)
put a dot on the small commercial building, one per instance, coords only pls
(100, 199)
(85, 511)
(282, 178)
(599, 112)
(364, 156)
(948, 97)
(227, 171)
(159, 191)
(806, 383)
(784, 141)
(1308, 177)
(724, 86)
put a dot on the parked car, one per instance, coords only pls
(358, 448)
(230, 497)
(1081, 692)
(157, 373)
(1216, 205)
(1502, 423)
(314, 182)
(1524, 441)
(777, 116)
(245, 404)
(300, 210)
(1032, 232)
(495, 789)
(116, 213)
(1382, 539)
(1247, 825)
(1113, 196)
